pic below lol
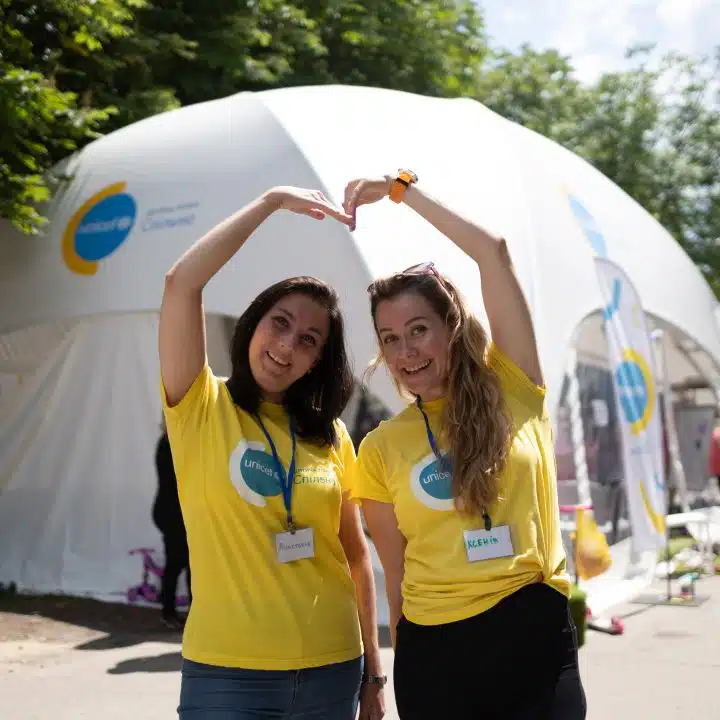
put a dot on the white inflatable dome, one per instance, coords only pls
(78, 307)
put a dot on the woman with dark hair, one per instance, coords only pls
(283, 589)
(459, 490)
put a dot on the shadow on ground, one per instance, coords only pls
(92, 624)
(167, 662)
(171, 662)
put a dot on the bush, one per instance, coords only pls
(675, 545)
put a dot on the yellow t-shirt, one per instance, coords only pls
(395, 464)
(248, 609)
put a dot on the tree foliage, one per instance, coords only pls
(72, 69)
(432, 47)
(653, 129)
(69, 70)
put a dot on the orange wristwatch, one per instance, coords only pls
(402, 182)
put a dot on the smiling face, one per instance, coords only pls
(414, 342)
(287, 343)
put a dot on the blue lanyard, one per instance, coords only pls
(286, 479)
(443, 461)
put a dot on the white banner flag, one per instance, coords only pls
(632, 365)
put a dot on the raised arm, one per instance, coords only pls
(507, 308)
(182, 323)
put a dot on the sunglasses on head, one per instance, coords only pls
(424, 268)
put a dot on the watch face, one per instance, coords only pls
(411, 175)
(377, 680)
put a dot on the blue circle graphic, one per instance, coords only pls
(633, 389)
(589, 226)
(258, 471)
(436, 481)
(105, 227)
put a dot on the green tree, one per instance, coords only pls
(69, 69)
(72, 69)
(536, 89)
(432, 47)
(239, 45)
(653, 129)
(620, 135)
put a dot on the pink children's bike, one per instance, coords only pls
(146, 590)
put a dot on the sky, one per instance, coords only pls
(595, 33)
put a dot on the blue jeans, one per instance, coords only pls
(330, 692)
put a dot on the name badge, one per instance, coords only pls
(488, 544)
(294, 546)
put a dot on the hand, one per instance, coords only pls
(306, 202)
(372, 702)
(365, 191)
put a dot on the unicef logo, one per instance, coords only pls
(431, 483)
(589, 226)
(253, 473)
(636, 390)
(98, 228)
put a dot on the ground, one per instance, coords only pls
(70, 659)
(57, 619)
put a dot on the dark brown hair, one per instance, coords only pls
(315, 400)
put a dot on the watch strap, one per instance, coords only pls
(380, 680)
(401, 183)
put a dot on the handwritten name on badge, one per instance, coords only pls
(488, 544)
(294, 546)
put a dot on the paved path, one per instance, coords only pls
(664, 667)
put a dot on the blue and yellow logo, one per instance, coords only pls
(636, 389)
(637, 400)
(98, 228)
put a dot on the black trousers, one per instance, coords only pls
(177, 559)
(517, 661)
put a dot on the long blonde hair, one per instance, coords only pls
(475, 421)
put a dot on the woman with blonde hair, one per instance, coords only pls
(459, 490)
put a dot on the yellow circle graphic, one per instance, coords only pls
(632, 356)
(70, 256)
